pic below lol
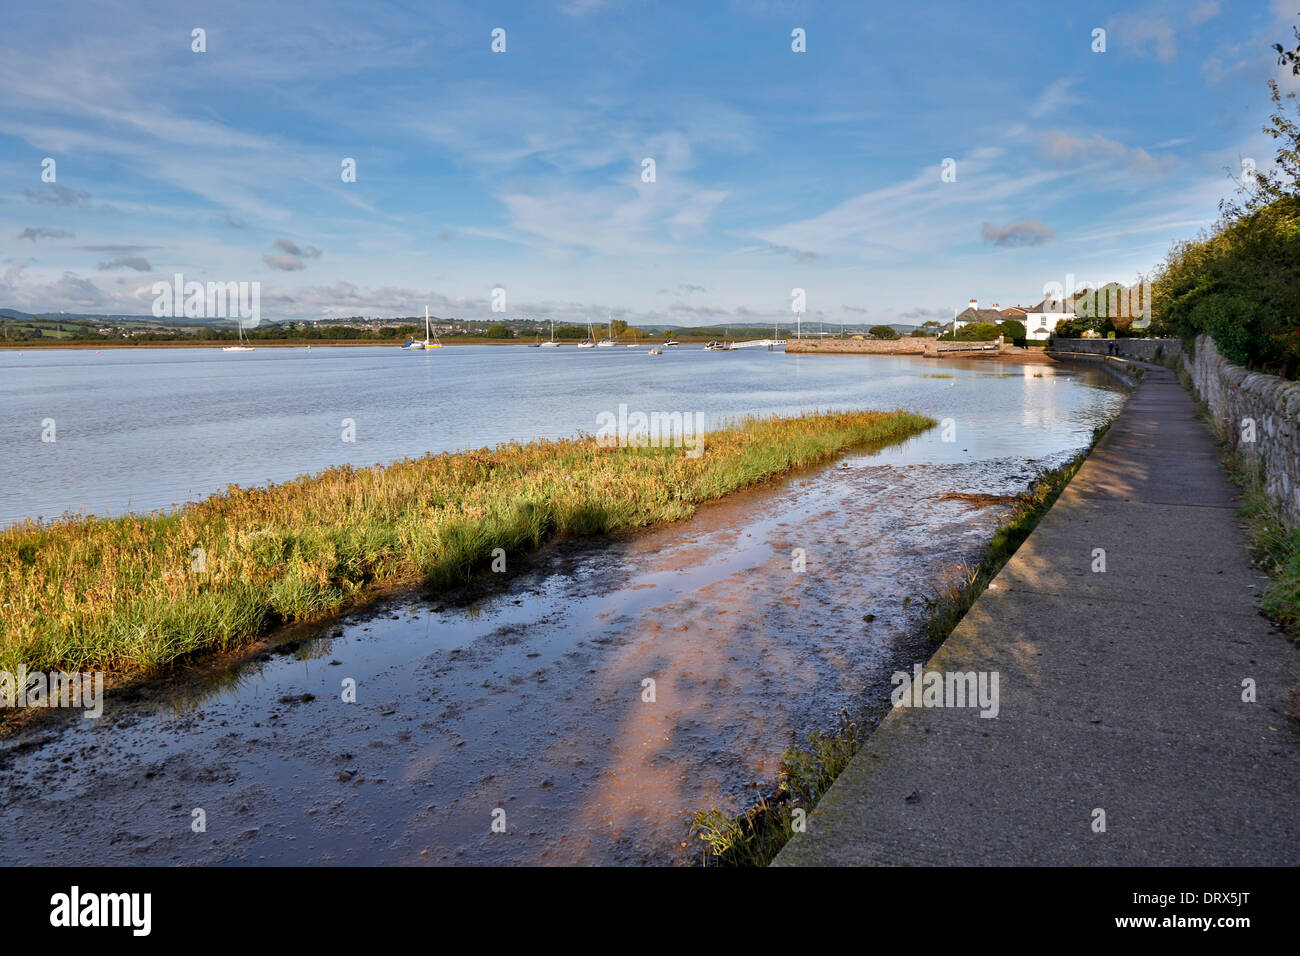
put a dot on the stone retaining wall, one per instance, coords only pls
(907, 345)
(1120, 369)
(1158, 351)
(1238, 398)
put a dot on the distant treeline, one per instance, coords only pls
(76, 333)
(68, 333)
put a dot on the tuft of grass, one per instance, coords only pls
(1275, 545)
(139, 593)
(756, 836)
(1273, 541)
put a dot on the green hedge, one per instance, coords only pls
(1240, 286)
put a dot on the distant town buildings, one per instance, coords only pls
(1039, 320)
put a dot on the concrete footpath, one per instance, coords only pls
(1119, 691)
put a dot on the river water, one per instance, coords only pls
(143, 429)
(525, 706)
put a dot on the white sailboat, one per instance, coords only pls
(428, 343)
(635, 343)
(590, 341)
(434, 344)
(609, 341)
(241, 347)
(551, 343)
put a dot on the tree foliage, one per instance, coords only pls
(1240, 281)
(1013, 331)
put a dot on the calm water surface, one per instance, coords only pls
(146, 429)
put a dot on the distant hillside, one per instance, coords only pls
(519, 326)
(87, 318)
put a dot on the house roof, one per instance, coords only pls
(992, 316)
(1061, 307)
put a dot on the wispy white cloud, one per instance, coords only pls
(1065, 147)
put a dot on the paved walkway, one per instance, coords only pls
(1118, 690)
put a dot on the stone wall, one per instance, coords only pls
(1158, 351)
(907, 345)
(1121, 369)
(1236, 399)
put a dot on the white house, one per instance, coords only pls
(1040, 321)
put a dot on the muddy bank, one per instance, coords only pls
(530, 701)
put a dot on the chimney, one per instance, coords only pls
(995, 305)
(974, 303)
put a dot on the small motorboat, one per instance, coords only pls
(656, 351)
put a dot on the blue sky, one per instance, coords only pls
(775, 170)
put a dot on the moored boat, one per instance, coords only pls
(241, 347)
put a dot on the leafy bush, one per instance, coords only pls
(883, 332)
(1235, 323)
(976, 332)
(1013, 331)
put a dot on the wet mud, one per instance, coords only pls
(758, 621)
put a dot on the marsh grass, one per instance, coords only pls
(140, 593)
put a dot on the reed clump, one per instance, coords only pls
(139, 593)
